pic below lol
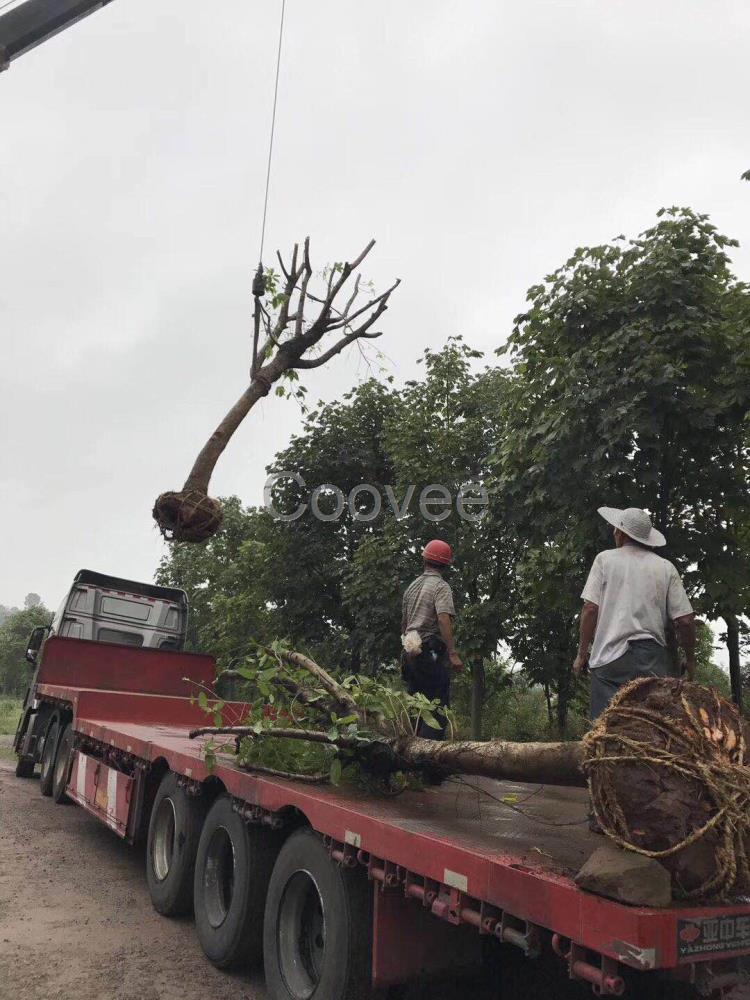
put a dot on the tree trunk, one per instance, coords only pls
(563, 701)
(733, 648)
(541, 763)
(200, 474)
(548, 700)
(478, 687)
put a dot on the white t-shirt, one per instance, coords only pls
(637, 592)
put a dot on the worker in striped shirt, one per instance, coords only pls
(427, 634)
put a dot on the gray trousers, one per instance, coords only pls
(644, 658)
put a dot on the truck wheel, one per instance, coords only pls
(25, 767)
(48, 756)
(232, 870)
(317, 932)
(173, 833)
(62, 765)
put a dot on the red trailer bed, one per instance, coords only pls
(457, 852)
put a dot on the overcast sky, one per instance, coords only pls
(479, 142)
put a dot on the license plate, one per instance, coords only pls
(707, 935)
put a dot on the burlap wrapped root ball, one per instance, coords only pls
(669, 778)
(187, 516)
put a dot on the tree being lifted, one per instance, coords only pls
(666, 763)
(285, 341)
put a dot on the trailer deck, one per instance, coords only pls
(496, 857)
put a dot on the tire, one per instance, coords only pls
(25, 767)
(49, 753)
(62, 765)
(232, 871)
(174, 830)
(317, 935)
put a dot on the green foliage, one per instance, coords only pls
(283, 696)
(10, 712)
(15, 672)
(707, 672)
(225, 582)
(630, 388)
(341, 444)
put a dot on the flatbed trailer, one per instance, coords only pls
(344, 893)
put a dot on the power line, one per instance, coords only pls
(273, 130)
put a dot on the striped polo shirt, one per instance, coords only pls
(424, 599)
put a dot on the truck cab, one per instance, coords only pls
(103, 609)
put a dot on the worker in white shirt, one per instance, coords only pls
(630, 597)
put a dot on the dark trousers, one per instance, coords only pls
(644, 658)
(429, 674)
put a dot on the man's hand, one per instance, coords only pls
(456, 661)
(580, 665)
(587, 629)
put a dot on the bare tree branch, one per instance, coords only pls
(308, 363)
(306, 735)
(352, 297)
(322, 676)
(300, 314)
(281, 265)
(308, 779)
(335, 287)
(347, 320)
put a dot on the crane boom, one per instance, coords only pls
(33, 22)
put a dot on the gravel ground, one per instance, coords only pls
(76, 919)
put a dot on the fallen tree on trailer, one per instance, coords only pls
(666, 764)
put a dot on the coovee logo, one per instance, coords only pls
(327, 502)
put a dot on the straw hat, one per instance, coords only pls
(635, 523)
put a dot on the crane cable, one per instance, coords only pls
(273, 131)
(259, 281)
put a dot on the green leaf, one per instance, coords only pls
(430, 719)
(347, 720)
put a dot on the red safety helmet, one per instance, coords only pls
(438, 552)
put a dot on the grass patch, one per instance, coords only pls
(10, 712)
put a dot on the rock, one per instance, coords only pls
(626, 876)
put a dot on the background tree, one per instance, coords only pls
(225, 583)
(443, 434)
(341, 449)
(626, 392)
(5, 612)
(14, 633)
